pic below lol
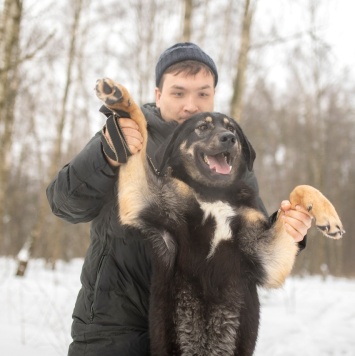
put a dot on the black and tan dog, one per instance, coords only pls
(212, 246)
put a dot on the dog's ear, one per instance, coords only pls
(162, 155)
(247, 148)
(168, 151)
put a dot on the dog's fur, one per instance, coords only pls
(212, 246)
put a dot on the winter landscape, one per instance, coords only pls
(300, 80)
(309, 316)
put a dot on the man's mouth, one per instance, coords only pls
(220, 163)
(183, 119)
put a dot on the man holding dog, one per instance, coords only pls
(111, 312)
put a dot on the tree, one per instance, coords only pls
(304, 134)
(39, 225)
(242, 63)
(186, 32)
(9, 54)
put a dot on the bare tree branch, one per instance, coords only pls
(28, 56)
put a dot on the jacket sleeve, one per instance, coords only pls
(82, 186)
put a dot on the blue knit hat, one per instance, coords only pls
(183, 52)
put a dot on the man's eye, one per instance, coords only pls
(178, 94)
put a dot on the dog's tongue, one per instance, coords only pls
(219, 164)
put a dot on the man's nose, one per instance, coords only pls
(191, 106)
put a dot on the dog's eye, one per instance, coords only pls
(230, 128)
(203, 127)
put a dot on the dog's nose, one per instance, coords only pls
(227, 138)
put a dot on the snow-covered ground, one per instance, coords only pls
(306, 317)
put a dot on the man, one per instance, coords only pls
(111, 312)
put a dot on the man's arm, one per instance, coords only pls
(81, 187)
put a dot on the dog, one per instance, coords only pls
(212, 246)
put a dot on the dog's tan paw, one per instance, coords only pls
(110, 92)
(117, 98)
(323, 211)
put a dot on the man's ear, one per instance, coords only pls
(157, 97)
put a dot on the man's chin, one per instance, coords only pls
(179, 120)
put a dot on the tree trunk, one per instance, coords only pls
(225, 42)
(186, 32)
(242, 63)
(9, 52)
(145, 37)
(39, 225)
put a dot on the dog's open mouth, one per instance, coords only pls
(220, 163)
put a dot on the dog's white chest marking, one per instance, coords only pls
(221, 212)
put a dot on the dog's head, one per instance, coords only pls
(209, 149)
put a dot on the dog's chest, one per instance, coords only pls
(221, 213)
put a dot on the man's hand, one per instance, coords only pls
(132, 135)
(297, 222)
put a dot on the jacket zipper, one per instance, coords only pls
(98, 276)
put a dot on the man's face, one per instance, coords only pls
(183, 96)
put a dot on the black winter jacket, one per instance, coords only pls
(111, 312)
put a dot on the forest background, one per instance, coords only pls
(282, 75)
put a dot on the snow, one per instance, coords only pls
(308, 316)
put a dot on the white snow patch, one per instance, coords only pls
(308, 316)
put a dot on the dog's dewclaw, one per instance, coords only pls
(322, 210)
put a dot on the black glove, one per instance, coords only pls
(118, 150)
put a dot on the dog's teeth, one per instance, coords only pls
(206, 159)
(226, 158)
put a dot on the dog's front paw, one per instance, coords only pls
(110, 92)
(117, 98)
(323, 211)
